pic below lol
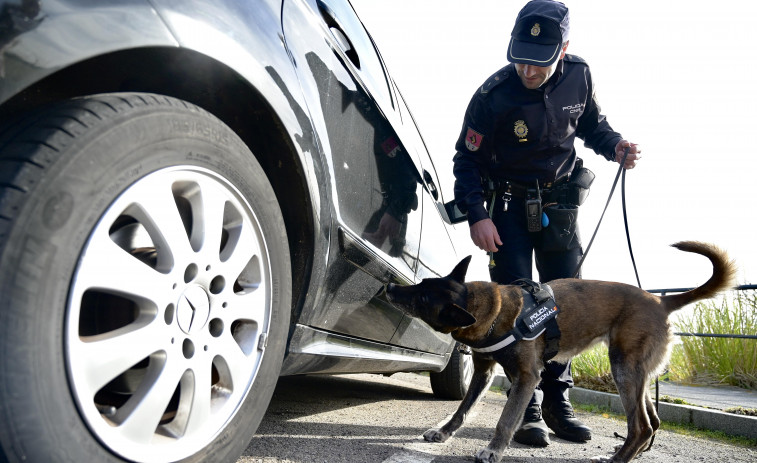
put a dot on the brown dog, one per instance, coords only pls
(632, 322)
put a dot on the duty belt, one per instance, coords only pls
(518, 190)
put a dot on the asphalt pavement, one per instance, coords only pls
(377, 419)
(703, 405)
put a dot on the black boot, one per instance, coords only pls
(560, 418)
(533, 431)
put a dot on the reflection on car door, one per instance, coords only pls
(376, 189)
(436, 249)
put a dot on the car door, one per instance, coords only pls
(437, 253)
(376, 190)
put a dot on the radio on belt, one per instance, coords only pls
(533, 208)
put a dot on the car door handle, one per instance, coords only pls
(431, 185)
(337, 32)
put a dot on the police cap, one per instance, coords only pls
(541, 28)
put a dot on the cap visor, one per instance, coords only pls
(535, 54)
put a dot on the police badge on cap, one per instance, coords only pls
(541, 28)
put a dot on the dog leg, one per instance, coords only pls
(632, 390)
(654, 420)
(483, 373)
(512, 415)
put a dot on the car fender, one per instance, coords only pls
(242, 39)
(40, 41)
(36, 42)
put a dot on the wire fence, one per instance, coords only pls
(663, 292)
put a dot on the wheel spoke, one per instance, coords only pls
(245, 249)
(199, 414)
(160, 216)
(212, 217)
(145, 409)
(251, 306)
(238, 363)
(101, 360)
(107, 266)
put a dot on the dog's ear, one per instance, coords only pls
(454, 315)
(458, 273)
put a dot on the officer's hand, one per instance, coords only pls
(633, 153)
(484, 235)
(389, 227)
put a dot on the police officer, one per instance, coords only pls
(519, 129)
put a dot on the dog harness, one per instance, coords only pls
(537, 316)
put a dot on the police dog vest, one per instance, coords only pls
(538, 315)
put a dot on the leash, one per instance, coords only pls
(636, 272)
(638, 281)
(621, 170)
(630, 251)
(491, 214)
(625, 220)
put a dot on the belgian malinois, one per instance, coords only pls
(632, 322)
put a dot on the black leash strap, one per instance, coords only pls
(625, 221)
(612, 190)
(636, 272)
(630, 251)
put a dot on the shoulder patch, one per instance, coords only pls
(473, 139)
(496, 79)
(390, 147)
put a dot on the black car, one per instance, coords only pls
(197, 197)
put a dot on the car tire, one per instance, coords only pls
(146, 284)
(452, 382)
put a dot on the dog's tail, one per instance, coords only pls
(723, 275)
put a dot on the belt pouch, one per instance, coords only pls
(578, 187)
(562, 232)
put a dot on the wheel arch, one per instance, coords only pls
(217, 88)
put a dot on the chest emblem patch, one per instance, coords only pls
(521, 130)
(473, 140)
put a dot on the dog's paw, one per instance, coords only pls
(487, 456)
(436, 435)
(600, 459)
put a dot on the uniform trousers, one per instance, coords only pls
(514, 260)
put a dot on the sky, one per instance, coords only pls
(674, 77)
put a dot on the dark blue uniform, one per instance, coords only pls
(512, 133)
(522, 134)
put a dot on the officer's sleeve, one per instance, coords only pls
(594, 129)
(402, 198)
(471, 159)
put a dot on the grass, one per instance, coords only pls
(741, 411)
(591, 370)
(677, 428)
(695, 360)
(728, 361)
(673, 400)
(735, 410)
